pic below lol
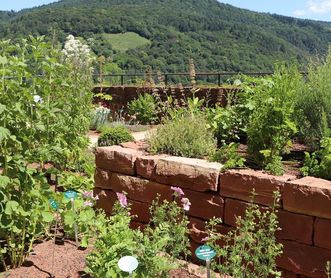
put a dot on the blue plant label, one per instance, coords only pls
(205, 253)
(53, 204)
(70, 194)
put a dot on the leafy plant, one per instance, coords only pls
(149, 246)
(313, 104)
(318, 164)
(143, 109)
(44, 115)
(251, 249)
(271, 124)
(229, 156)
(185, 135)
(114, 136)
(99, 117)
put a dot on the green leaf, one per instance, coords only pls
(2, 108)
(4, 133)
(3, 60)
(47, 216)
(69, 218)
(11, 207)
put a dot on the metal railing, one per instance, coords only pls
(167, 76)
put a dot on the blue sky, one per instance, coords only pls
(312, 9)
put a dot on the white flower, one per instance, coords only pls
(37, 99)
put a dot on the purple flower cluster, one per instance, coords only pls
(90, 198)
(178, 192)
(122, 199)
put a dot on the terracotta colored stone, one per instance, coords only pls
(137, 225)
(239, 184)
(102, 178)
(310, 196)
(194, 174)
(295, 227)
(233, 209)
(116, 159)
(136, 145)
(304, 259)
(138, 189)
(205, 205)
(198, 230)
(288, 274)
(322, 235)
(146, 165)
(106, 201)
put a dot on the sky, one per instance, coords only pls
(311, 9)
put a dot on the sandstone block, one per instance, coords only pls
(205, 205)
(107, 199)
(310, 196)
(322, 235)
(136, 145)
(304, 259)
(295, 227)
(116, 159)
(102, 178)
(190, 173)
(146, 165)
(138, 189)
(239, 184)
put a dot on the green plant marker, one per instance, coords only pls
(205, 253)
(72, 195)
(54, 204)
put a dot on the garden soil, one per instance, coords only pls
(69, 262)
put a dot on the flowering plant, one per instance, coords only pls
(156, 247)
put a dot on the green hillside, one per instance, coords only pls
(217, 36)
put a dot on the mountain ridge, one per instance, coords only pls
(219, 37)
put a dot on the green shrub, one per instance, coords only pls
(186, 135)
(251, 249)
(229, 156)
(143, 109)
(271, 124)
(114, 136)
(318, 164)
(313, 104)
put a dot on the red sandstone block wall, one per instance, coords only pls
(304, 210)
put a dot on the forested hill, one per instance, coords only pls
(166, 33)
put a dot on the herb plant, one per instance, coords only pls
(114, 136)
(143, 109)
(250, 251)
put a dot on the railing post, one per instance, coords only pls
(219, 79)
(166, 79)
(122, 79)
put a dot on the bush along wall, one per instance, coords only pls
(304, 209)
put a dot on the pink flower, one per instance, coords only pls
(205, 239)
(88, 204)
(186, 204)
(88, 194)
(178, 191)
(122, 199)
(96, 197)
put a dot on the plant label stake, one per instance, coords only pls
(128, 264)
(205, 253)
(55, 207)
(72, 195)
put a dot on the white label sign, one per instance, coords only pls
(128, 264)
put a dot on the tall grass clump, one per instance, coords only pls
(313, 104)
(184, 133)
